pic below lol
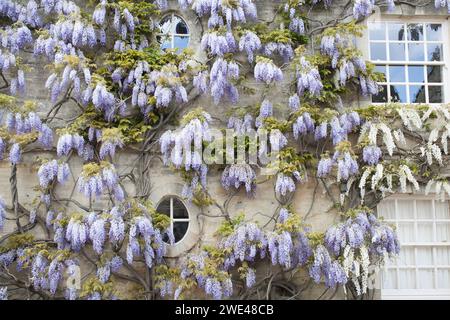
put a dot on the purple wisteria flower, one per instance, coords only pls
(93, 184)
(438, 4)
(236, 175)
(371, 155)
(294, 102)
(308, 78)
(283, 49)
(346, 165)
(246, 241)
(303, 125)
(363, 8)
(3, 293)
(323, 266)
(266, 71)
(284, 184)
(2, 212)
(324, 167)
(218, 44)
(221, 75)
(67, 142)
(15, 154)
(241, 126)
(297, 25)
(265, 111)
(200, 81)
(250, 43)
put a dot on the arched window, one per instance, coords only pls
(174, 33)
(174, 208)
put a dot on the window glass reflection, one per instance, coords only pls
(415, 32)
(435, 94)
(398, 93)
(434, 52)
(434, 74)
(397, 74)
(377, 31)
(416, 52)
(378, 51)
(434, 32)
(416, 74)
(396, 31)
(417, 94)
(397, 51)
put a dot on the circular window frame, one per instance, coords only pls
(188, 219)
(171, 15)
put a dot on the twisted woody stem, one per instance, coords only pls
(15, 196)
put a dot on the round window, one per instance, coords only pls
(173, 33)
(174, 208)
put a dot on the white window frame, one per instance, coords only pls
(364, 45)
(173, 35)
(173, 219)
(417, 294)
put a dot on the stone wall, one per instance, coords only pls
(310, 198)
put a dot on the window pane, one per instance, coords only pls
(415, 32)
(181, 42)
(406, 232)
(425, 256)
(434, 74)
(397, 51)
(396, 31)
(434, 32)
(164, 207)
(381, 96)
(434, 52)
(181, 28)
(405, 209)
(386, 209)
(417, 94)
(398, 93)
(424, 231)
(416, 52)
(381, 69)
(435, 94)
(442, 211)
(179, 210)
(443, 232)
(397, 74)
(179, 230)
(390, 279)
(426, 279)
(378, 51)
(406, 257)
(407, 279)
(424, 208)
(377, 31)
(443, 256)
(416, 74)
(443, 279)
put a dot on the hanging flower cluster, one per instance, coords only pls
(222, 12)
(250, 43)
(236, 175)
(308, 78)
(145, 240)
(67, 142)
(22, 129)
(223, 72)
(50, 170)
(184, 148)
(95, 178)
(266, 71)
(111, 138)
